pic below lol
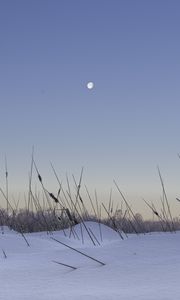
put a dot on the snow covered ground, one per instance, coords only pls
(142, 267)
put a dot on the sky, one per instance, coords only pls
(121, 129)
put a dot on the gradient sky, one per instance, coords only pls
(123, 128)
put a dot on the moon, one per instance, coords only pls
(90, 85)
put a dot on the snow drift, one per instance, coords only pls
(138, 267)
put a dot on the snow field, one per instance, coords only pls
(143, 267)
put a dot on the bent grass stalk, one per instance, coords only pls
(82, 253)
(113, 222)
(68, 266)
(166, 199)
(128, 206)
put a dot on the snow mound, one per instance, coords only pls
(94, 232)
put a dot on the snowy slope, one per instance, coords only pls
(142, 267)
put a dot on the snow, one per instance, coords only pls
(143, 267)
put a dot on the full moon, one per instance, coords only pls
(90, 85)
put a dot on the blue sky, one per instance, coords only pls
(123, 128)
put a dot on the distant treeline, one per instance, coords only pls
(51, 220)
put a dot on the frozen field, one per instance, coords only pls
(142, 267)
